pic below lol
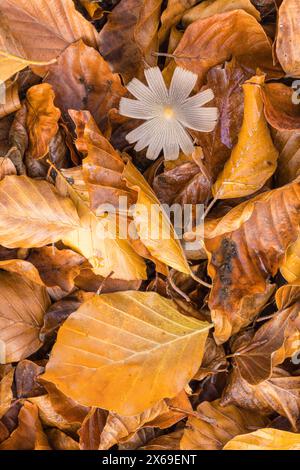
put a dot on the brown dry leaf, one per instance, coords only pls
(90, 282)
(6, 168)
(146, 30)
(166, 442)
(290, 268)
(281, 110)
(254, 158)
(60, 440)
(120, 429)
(6, 393)
(23, 268)
(51, 417)
(42, 119)
(213, 7)
(246, 247)
(214, 40)
(91, 429)
(26, 375)
(18, 140)
(93, 8)
(23, 306)
(25, 22)
(159, 341)
(33, 214)
(273, 342)
(5, 125)
(11, 99)
(56, 267)
(217, 145)
(214, 425)
(129, 37)
(265, 439)
(288, 146)
(213, 360)
(185, 183)
(29, 434)
(172, 15)
(82, 79)
(288, 36)
(59, 312)
(280, 394)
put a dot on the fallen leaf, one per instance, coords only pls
(29, 434)
(288, 35)
(280, 394)
(254, 158)
(11, 99)
(129, 37)
(290, 268)
(6, 393)
(226, 83)
(166, 334)
(214, 40)
(272, 343)
(18, 140)
(56, 267)
(288, 146)
(213, 7)
(60, 440)
(24, 304)
(160, 240)
(214, 425)
(33, 214)
(245, 248)
(166, 442)
(23, 23)
(265, 439)
(42, 119)
(6, 168)
(186, 183)
(172, 15)
(82, 79)
(93, 8)
(26, 375)
(280, 108)
(91, 429)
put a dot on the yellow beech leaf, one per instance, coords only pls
(109, 255)
(265, 439)
(42, 119)
(290, 268)
(254, 158)
(118, 352)
(11, 64)
(23, 305)
(32, 213)
(160, 239)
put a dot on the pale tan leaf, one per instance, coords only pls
(288, 36)
(265, 439)
(33, 214)
(22, 310)
(213, 7)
